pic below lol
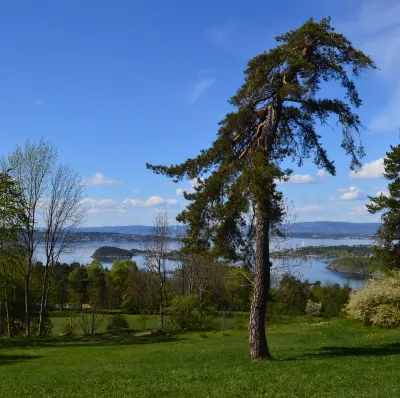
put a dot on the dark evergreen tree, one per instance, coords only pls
(388, 252)
(278, 109)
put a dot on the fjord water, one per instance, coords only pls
(312, 269)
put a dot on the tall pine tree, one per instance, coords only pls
(388, 252)
(277, 112)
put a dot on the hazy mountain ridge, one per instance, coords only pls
(333, 228)
(319, 228)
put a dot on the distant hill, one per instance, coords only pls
(300, 229)
(132, 229)
(332, 228)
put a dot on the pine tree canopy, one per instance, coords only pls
(277, 112)
(389, 233)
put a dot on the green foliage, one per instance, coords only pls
(332, 297)
(277, 110)
(117, 323)
(47, 325)
(292, 297)
(184, 312)
(364, 265)
(388, 253)
(378, 302)
(313, 309)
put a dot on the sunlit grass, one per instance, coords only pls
(328, 359)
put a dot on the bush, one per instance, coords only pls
(378, 302)
(117, 323)
(313, 309)
(184, 312)
(47, 326)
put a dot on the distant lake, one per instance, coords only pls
(312, 269)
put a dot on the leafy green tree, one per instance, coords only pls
(12, 218)
(277, 111)
(122, 273)
(31, 166)
(388, 253)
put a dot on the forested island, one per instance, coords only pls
(116, 253)
(357, 259)
(111, 253)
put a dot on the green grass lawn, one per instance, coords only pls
(328, 359)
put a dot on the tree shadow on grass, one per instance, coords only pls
(103, 339)
(341, 352)
(14, 359)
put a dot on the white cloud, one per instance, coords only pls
(358, 211)
(352, 193)
(179, 192)
(135, 191)
(299, 179)
(322, 173)
(370, 170)
(99, 206)
(309, 209)
(200, 87)
(100, 179)
(151, 201)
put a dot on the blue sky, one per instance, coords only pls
(116, 84)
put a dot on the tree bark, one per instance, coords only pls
(262, 279)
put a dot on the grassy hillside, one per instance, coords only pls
(327, 359)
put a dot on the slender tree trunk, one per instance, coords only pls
(27, 302)
(6, 300)
(257, 337)
(42, 301)
(7, 313)
(161, 314)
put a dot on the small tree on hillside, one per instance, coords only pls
(276, 115)
(156, 250)
(388, 253)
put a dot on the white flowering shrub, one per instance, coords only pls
(378, 302)
(313, 309)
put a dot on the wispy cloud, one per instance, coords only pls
(38, 102)
(358, 211)
(305, 178)
(310, 209)
(200, 87)
(370, 170)
(100, 179)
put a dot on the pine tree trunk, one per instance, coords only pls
(257, 337)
